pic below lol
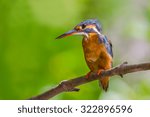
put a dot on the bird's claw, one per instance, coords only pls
(88, 74)
(99, 71)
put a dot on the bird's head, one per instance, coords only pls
(84, 29)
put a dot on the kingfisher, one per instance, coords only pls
(97, 48)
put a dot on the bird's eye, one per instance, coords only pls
(83, 26)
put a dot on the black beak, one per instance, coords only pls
(69, 33)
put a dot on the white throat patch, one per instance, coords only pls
(95, 29)
(83, 34)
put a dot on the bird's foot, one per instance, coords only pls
(88, 74)
(99, 71)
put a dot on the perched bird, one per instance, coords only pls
(97, 48)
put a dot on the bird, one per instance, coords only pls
(97, 48)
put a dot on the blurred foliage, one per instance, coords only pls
(32, 61)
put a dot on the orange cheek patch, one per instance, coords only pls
(78, 28)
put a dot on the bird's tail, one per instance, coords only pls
(104, 83)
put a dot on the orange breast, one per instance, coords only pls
(95, 54)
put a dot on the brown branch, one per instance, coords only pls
(70, 85)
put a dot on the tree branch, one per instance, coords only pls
(70, 85)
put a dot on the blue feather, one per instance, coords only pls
(108, 45)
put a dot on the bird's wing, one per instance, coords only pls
(108, 45)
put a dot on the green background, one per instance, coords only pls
(32, 61)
